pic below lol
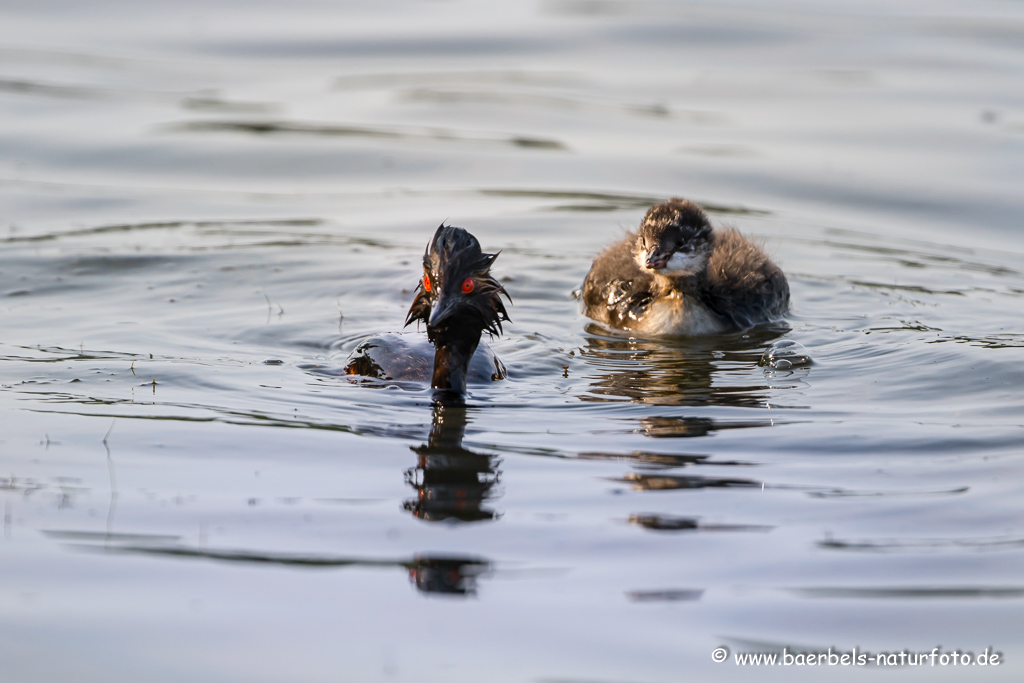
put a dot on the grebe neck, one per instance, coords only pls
(451, 364)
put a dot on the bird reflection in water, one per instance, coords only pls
(451, 481)
(688, 427)
(447, 575)
(706, 371)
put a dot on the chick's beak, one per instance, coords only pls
(657, 258)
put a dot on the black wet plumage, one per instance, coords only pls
(452, 256)
(458, 299)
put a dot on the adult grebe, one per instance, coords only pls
(677, 276)
(458, 299)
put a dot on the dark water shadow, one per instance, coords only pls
(57, 354)
(25, 486)
(912, 592)
(925, 545)
(669, 482)
(666, 595)
(606, 201)
(27, 87)
(171, 225)
(676, 427)
(992, 341)
(840, 493)
(917, 253)
(407, 48)
(395, 79)
(643, 481)
(301, 128)
(454, 96)
(211, 102)
(109, 537)
(431, 573)
(660, 461)
(386, 429)
(672, 523)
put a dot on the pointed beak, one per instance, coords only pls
(441, 309)
(656, 258)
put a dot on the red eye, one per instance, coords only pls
(468, 285)
(426, 282)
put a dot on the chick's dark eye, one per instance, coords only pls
(468, 285)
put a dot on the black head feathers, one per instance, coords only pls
(457, 293)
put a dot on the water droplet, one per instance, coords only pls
(785, 354)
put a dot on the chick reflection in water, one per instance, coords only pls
(452, 482)
(458, 299)
(675, 372)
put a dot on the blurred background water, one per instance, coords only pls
(204, 207)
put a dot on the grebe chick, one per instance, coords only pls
(675, 275)
(459, 300)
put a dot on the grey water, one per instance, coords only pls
(205, 207)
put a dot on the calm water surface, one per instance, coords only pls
(207, 206)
